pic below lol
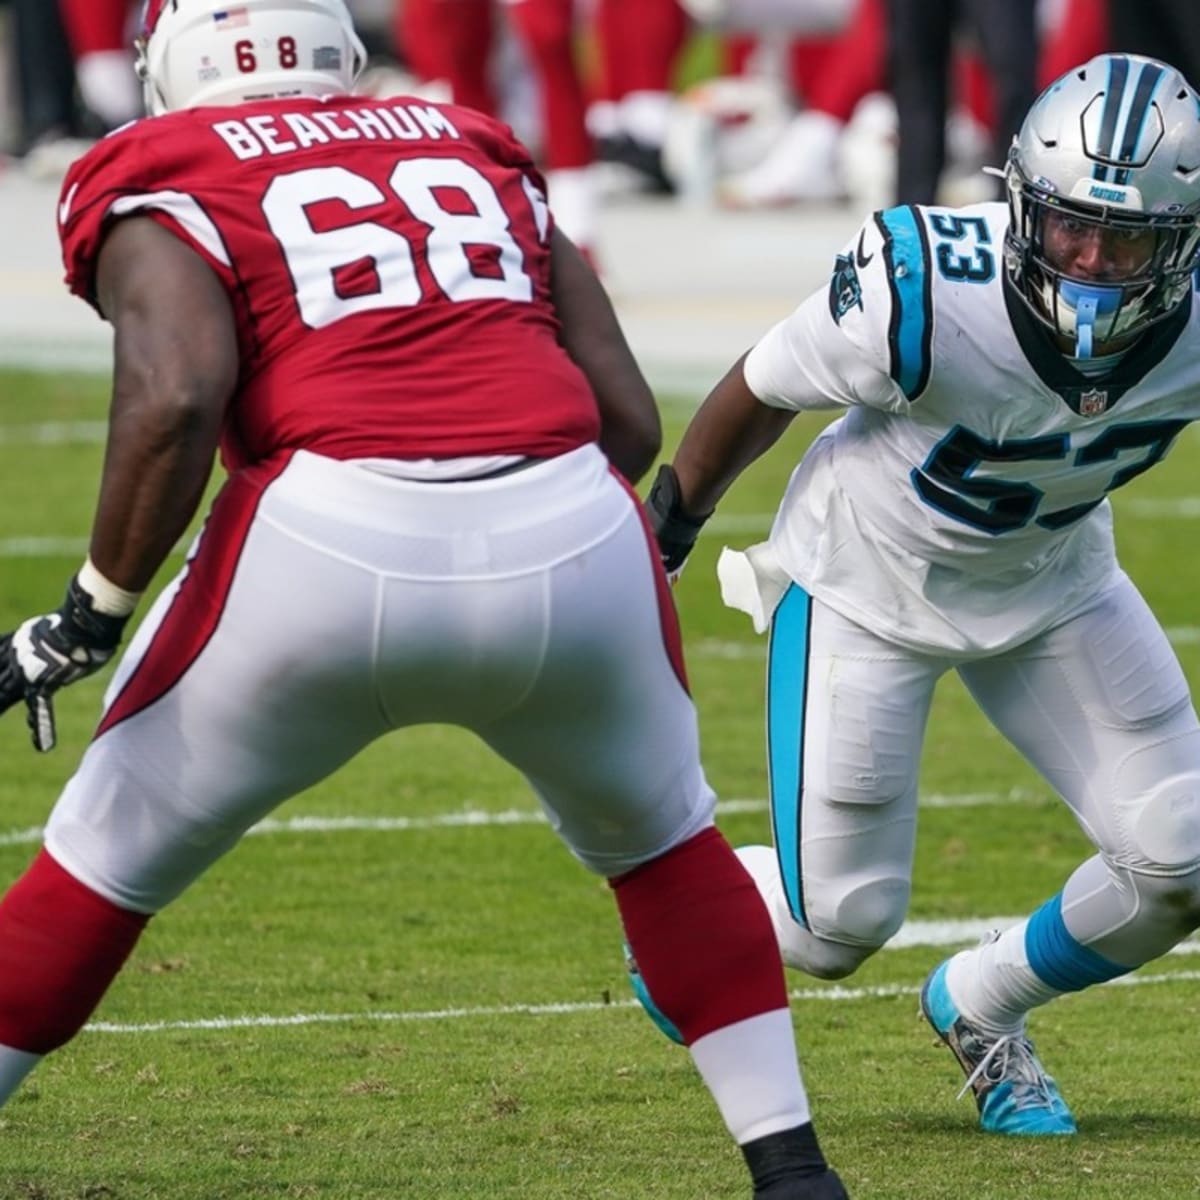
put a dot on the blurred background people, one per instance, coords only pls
(920, 36)
(786, 102)
(100, 34)
(830, 73)
(1072, 33)
(1164, 29)
(41, 75)
(459, 43)
(638, 44)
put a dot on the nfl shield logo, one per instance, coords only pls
(1093, 403)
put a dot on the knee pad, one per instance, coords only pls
(1164, 825)
(845, 926)
(1141, 916)
(859, 911)
(802, 950)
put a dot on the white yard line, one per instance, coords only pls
(479, 818)
(1185, 507)
(42, 547)
(54, 433)
(836, 993)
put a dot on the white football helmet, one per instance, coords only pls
(1114, 143)
(196, 52)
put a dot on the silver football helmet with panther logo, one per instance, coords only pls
(1112, 148)
(195, 52)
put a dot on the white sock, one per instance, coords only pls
(14, 1066)
(803, 163)
(109, 87)
(645, 115)
(753, 1073)
(603, 118)
(572, 196)
(994, 986)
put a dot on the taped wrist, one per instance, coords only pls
(106, 596)
(83, 625)
(675, 530)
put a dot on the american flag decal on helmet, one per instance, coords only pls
(231, 18)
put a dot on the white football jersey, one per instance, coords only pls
(960, 504)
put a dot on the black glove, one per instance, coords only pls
(675, 530)
(48, 652)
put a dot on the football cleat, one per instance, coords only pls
(664, 1023)
(1012, 1090)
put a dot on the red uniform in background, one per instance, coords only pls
(101, 45)
(454, 41)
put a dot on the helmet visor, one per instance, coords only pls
(1118, 271)
(1104, 251)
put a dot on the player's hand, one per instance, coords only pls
(675, 530)
(48, 652)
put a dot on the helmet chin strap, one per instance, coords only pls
(1089, 302)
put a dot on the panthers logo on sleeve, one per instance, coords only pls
(879, 296)
(845, 291)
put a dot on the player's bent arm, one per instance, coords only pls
(805, 363)
(630, 428)
(730, 430)
(175, 369)
(176, 366)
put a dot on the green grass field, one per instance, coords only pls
(423, 1004)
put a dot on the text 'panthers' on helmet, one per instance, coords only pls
(1103, 186)
(196, 52)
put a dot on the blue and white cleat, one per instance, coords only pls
(1014, 1094)
(642, 992)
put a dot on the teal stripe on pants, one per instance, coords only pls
(787, 686)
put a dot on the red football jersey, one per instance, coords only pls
(388, 263)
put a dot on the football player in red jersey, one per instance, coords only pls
(431, 424)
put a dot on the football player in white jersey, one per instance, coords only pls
(1002, 369)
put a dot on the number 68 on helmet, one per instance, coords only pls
(197, 52)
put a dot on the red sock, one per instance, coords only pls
(974, 86)
(451, 40)
(61, 945)
(94, 26)
(1082, 33)
(546, 29)
(416, 38)
(701, 937)
(855, 65)
(639, 41)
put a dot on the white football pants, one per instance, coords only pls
(1098, 705)
(325, 604)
